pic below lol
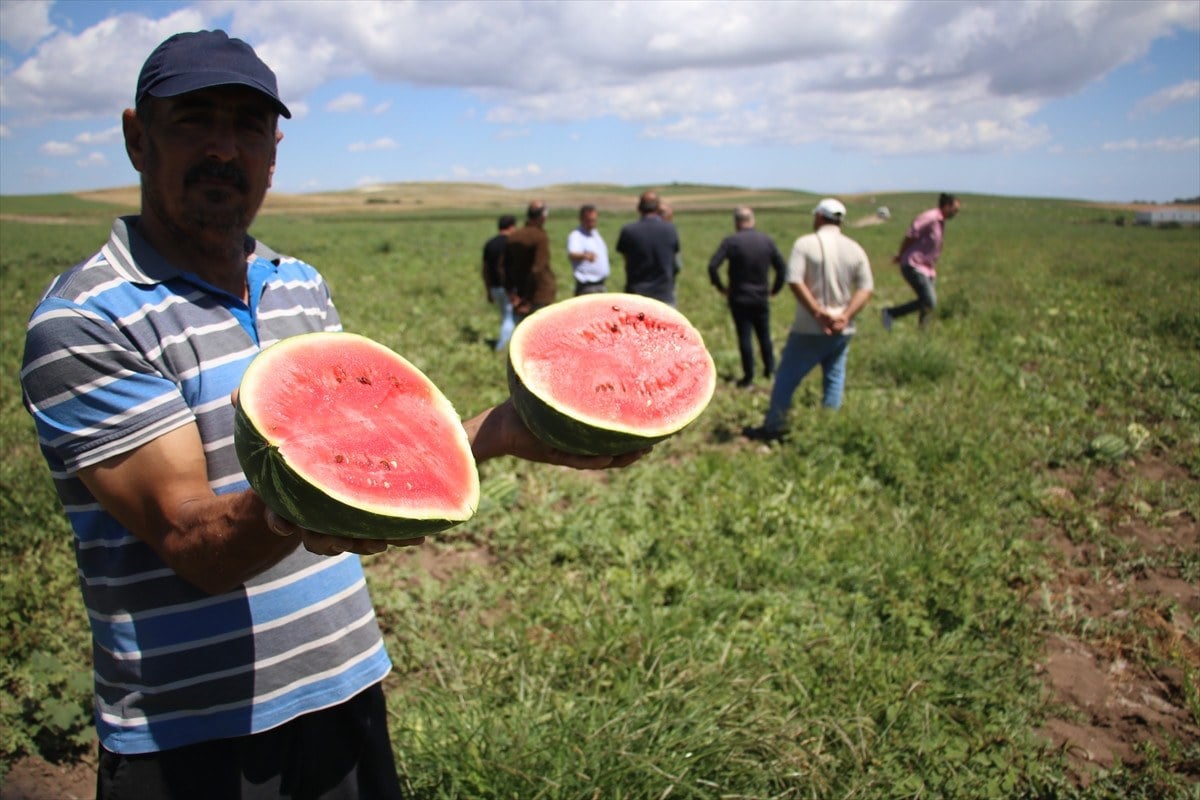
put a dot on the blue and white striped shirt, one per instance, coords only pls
(121, 349)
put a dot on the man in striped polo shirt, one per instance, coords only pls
(235, 655)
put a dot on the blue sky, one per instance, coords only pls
(1065, 98)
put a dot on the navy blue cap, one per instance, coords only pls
(190, 61)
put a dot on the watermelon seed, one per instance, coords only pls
(383, 462)
(339, 374)
(339, 458)
(616, 308)
(614, 327)
(641, 315)
(364, 379)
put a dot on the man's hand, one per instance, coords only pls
(322, 545)
(499, 431)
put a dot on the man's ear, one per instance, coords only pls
(135, 138)
(271, 171)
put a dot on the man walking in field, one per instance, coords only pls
(830, 275)
(751, 255)
(527, 273)
(918, 257)
(588, 253)
(650, 246)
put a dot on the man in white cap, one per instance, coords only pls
(830, 275)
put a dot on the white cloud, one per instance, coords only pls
(858, 75)
(1171, 144)
(5, 131)
(58, 149)
(107, 136)
(347, 102)
(1186, 92)
(92, 160)
(24, 23)
(382, 143)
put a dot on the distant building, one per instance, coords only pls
(1165, 214)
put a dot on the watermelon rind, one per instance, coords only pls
(574, 430)
(287, 489)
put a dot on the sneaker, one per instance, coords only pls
(887, 319)
(745, 383)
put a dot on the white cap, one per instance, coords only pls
(830, 209)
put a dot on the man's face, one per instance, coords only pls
(206, 160)
(588, 220)
(950, 211)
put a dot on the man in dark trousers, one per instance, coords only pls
(650, 246)
(527, 274)
(493, 276)
(752, 254)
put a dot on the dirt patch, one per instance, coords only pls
(36, 779)
(1116, 669)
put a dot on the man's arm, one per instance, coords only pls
(805, 297)
(780, 267)
(160, 492)
(904, 245)
(714, 267)
(499, 431)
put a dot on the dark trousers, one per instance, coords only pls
(926, 300)
(339, 753)
(589, 288)
(752, 322)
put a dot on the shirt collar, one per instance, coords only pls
(135, 260)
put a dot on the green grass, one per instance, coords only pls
(841, 615)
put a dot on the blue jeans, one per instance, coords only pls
(507, 323)
(801, 354)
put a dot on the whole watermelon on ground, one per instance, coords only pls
(341, 435)
(605, 374)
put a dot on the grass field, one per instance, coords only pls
(907, 598)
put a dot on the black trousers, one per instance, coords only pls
(753, 322)
(339, 753)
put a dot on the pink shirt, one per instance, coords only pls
(926, 233)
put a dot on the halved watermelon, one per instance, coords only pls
(341, 435)
(605, 374)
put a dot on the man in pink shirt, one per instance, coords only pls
(918, 258)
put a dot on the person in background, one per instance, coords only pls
(650, 246)
(528, 276)
(752, 255)
(918, 257)
(493, 277)
(830, 275)
(588, 253)
(236, 655)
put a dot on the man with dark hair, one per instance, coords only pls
(493, 277)
(588, 253)
(235, 654)
(830, 275)
(751, 255)
(650, 246)
(918, 257)
(527, 273)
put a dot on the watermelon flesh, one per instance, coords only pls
(341, 435)
(604, 374)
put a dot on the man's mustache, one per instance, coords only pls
(221, 171)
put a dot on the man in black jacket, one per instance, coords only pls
(751, 255)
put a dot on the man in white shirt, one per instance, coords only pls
(588, 253)
(830, 275)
